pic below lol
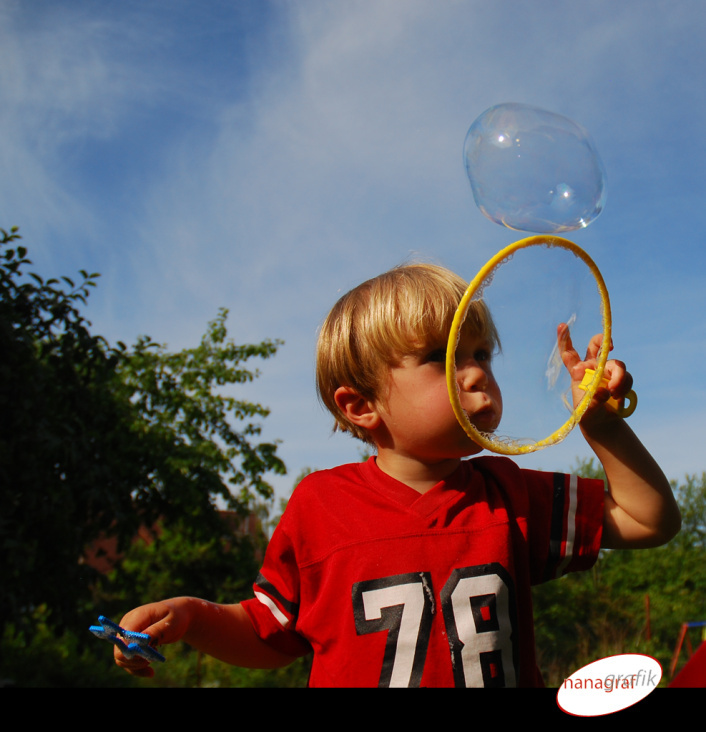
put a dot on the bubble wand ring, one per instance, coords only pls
(590, 384)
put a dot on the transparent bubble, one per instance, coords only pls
(534, 170)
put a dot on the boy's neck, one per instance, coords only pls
(416, 474)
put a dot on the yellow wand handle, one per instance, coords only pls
(622, 410)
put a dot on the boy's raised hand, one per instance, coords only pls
(619, 380)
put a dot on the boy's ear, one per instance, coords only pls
(357, 409)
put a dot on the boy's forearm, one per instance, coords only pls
(640, 507)
(226, 633)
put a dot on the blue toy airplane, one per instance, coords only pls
(138, 643)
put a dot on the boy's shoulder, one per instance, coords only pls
(326, 489)
(340, 477)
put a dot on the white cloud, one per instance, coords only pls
(268, 160)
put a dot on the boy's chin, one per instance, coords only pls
(473, 449)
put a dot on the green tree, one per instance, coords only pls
(98, 440)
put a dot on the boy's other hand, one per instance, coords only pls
(165, 622)
(619, 380)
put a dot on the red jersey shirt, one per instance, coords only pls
(390, 587)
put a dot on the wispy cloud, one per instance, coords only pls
(266, 156)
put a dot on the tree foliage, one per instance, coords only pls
(187, 423)
(96, 439)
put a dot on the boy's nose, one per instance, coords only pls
(471, 377)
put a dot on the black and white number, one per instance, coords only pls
(479, 612)
(401, 605)
(478, 607)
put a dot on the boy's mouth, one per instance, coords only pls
(484, 419)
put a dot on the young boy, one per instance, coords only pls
(414, 568)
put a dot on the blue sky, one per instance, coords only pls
(267, 156)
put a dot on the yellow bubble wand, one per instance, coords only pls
(593, 379)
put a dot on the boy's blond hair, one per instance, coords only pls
(371, 328)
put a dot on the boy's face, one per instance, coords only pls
(417, 412)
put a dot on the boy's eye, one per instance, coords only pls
(437, 356)
(480, 355)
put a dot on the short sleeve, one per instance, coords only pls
(568, 522)
(275, 608)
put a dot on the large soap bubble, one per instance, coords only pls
(534, 170)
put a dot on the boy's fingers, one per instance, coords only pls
(619, 379)
(569, 356)
(165, 622)
(145, 673)
(563, 337)
(594, 346)
(153, 620)
(135, 666)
